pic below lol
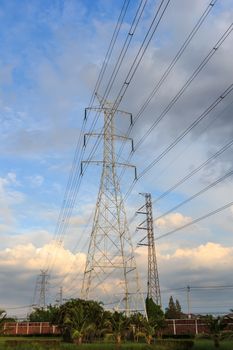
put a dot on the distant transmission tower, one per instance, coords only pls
(110, 265)
(39, 299)
(153, 288)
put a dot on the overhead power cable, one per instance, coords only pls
(224, 207)
(119, 61)
(181, 136)
(194, 171)
(188, 82)
(110, 50)
(142, 50)
(171, 66)
(182, 90)
(78, 176)
(213, 184)
(176, 58)
(138, 58)
(188, 129)
(72, 181)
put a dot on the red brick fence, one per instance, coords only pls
(174, 327)
(29, 328)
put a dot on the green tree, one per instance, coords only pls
(178, 307)
(77, 318)
(216, 326)
(173, 311)
(148, 331)
(118, 325)
(44, 315)
(136, 324)
(156, 317)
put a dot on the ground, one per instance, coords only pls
(28, 345)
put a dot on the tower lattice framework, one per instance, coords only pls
(41, 290)
(110, 270)
(153, 288)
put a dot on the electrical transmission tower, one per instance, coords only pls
(153, 289)
(110, 266)
(41, 289)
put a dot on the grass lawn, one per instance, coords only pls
(209, 345)
(29, 343)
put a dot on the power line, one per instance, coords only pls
(195, 221)
(213, 184)
(181, 136)
(77, 179)
(171, 65)
(139, 56)
(182, 90)
(72, 181)
(194, 171)
(187, 83)
(137, 59)
(141, 51)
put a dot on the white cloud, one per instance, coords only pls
(210, 255)
(28, 257)
(9, 197)
(36, 180)
(172, 220)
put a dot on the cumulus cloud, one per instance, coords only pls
(36, 180)
(42, 115)
(32, 258)
(172, 220)
(9, 197)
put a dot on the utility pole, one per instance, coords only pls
(153, 288)
(60, 297)
(188, 301)
(110, 265)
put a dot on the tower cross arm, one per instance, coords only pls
(109, 110)
(102, 162)
(114, 136)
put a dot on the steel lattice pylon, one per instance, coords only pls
(41, 289)
(111, 265)
(153, 288)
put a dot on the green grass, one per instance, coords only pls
(29, 344)
(209, 345)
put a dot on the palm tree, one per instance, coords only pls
(77, 319)
(136, 324)
(118, 325)
(216, 325)
(149, 332)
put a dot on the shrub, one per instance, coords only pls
(175, 344)
(203, 336)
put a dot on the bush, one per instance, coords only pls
(178, 336)
(175, 344)
(35, 345)
(203, 336)
(227, 335)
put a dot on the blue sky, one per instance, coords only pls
(51, 54)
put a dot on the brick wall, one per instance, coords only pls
(174, 327)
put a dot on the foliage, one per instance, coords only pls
(155, 315)
(48, 314)
(176, 344)
(173, 311)
(216, 326)
(77, 318)
(118, 325)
